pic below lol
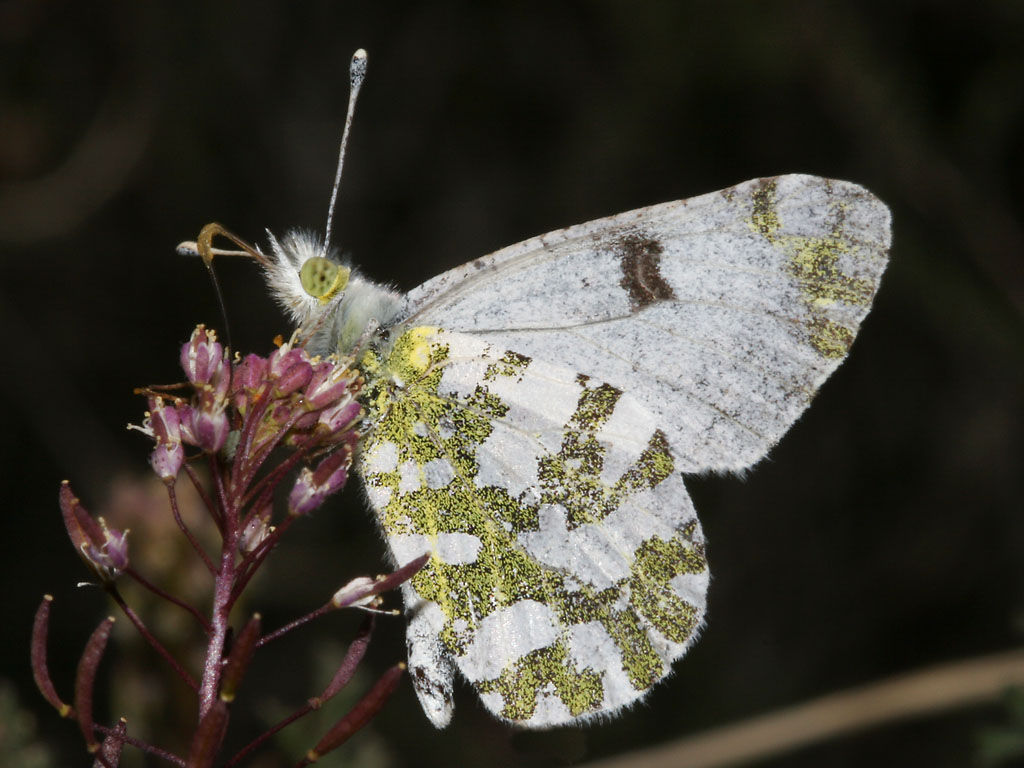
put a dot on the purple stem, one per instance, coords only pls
(257, 409)
(345, 671)
(326, 608)
(265, 487)
(150, 638)
(168, 597)
(252, 563)
(210, 506)
(223, 597)
(163, 754)
(185, 529)
(296, 715)
(264, 453)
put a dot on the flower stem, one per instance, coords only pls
(144, 746)
(252, 563)
(144, 582)
(185, 529)
(346, 669)
(210, 505)
(326, 608)
(223, 597)
(150, 638)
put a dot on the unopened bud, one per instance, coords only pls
(168, 456)
(359, 591)
(202, 359)
(312, 487)
(104, 549)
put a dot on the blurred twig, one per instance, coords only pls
(916, 694)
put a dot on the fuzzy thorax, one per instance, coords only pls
(345, 319)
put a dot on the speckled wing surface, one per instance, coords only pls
(568, 568)
(530, 420)
(722, 314)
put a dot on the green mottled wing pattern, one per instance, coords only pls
(568, 566)
(530, 414)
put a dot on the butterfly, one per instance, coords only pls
(529, 417)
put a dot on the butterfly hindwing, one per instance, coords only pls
(567, 568)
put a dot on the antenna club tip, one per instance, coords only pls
(357, 70)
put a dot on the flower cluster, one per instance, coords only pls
(255, 423)
(252, 406)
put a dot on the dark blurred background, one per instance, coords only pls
(884, 534)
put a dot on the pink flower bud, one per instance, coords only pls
(281, 413)
(168, 456)
(284, 357)
(330, 382)
(202, 358)
(210, 428)
(250, 374)
(220, 382)
(113, 552)
(358, 592)
(312, 487)
(255, 532)
(104, 549)
(166, 460)
(306, 421)
(342, 416)
(293, 378)
(185, 412)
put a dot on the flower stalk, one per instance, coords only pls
(283, 426)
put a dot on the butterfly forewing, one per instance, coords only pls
(722, 314)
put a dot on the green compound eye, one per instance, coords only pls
(321, 278)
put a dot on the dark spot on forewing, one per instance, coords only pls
(640, 257)
(764, 200)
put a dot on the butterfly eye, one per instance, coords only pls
(321, 278)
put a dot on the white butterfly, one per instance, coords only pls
(529, 416)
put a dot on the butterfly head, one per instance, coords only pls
(332, 307)
(337, 310)
(328, 301)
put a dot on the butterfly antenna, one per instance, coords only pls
(356, 73)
